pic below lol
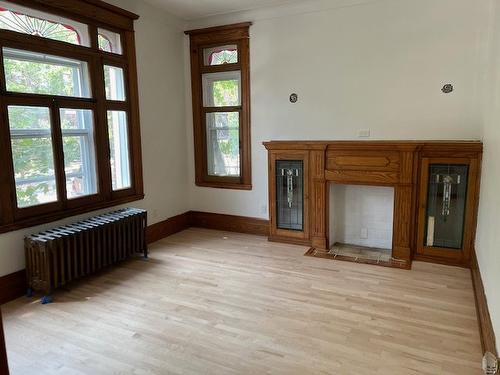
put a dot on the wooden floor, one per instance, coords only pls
(209, 302)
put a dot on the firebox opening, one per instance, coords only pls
(361, 222)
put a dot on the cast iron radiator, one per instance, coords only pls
(58, 256)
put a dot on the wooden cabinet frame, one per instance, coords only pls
(456, 256)
(278, 234)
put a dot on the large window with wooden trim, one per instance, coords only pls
(220, 77)
(69, 129)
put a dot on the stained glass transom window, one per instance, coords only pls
(221, 55)
(16, 18)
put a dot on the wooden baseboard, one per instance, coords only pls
(486, 331)
(230, 223)
(12, 286)
(167, 227)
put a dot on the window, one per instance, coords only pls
(109, 41)
(24, 20)
(118, 144)
(221, 106)
(70, 138)
(35, 73)
(32, 155)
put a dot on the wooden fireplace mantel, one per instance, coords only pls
(377, 163)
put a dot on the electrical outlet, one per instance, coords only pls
(364, 133)
(364, 233)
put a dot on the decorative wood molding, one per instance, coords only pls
(230, 223)
(488, 340)
(4, 365)
(12, 286)
(167, 227)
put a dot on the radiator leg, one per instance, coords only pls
(46, 300)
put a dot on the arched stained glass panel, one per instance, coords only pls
(15, 18)
(109, 41)
(221, 55)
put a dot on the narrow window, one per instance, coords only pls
(79, 152)
(118, 143)
(220, 73)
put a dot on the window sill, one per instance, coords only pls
(59, 215)
(225, 185)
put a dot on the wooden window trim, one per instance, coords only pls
(199, 40)
(95, 14)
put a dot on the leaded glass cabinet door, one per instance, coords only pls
(288, 185)
(290, 194)
(447, 193)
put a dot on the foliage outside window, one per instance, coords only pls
(221, 106)
(69, 139)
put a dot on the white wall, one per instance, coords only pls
(377, 65)
(355, 209)
(487, 240)
(161, 92)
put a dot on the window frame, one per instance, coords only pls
(236, 34)
(96, 15)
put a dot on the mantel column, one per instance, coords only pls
(403, 209)
(318, 199)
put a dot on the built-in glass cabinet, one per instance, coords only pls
(289, 196)
(447, 187)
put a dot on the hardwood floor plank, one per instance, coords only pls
(210, 302)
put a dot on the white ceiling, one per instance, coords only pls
(194, 9)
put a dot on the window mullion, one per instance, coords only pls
(101, 136)
(57, 142)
